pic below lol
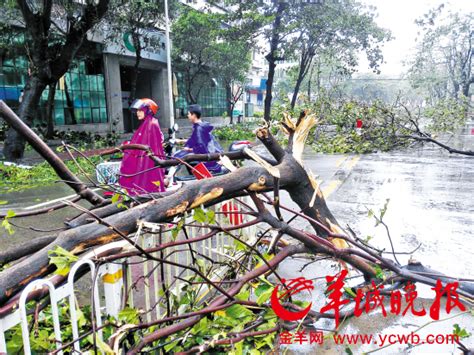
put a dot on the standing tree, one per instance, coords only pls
(339, 30)
(135, 22)
(443, 62)
(49, 57)
(194, 47)
(232, 62)
(211, 45)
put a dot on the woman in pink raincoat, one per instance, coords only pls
(137, 175)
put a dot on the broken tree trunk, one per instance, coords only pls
(288, 172)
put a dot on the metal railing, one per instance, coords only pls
(123, 283)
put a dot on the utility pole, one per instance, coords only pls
(168, 66)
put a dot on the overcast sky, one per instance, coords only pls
(399, 16)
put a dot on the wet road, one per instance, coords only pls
(431, 206)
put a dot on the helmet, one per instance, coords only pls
(141, 104)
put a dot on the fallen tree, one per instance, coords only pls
(262, 181)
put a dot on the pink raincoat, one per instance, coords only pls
(137, 163)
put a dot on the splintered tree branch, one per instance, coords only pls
(293, 178)
(425, 138)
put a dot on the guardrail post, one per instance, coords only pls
(113, 288)
(3, 343)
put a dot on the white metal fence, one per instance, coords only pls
(110, 282)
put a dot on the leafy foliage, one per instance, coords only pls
(238, 131)
(13, 178)
(356, 30)
(5, 223)
(62, 259)
(205, 47)
(42, 332)
(442, 66)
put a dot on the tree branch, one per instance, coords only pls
(57, 164)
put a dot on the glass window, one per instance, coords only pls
(212, 97)
(93, 82)
(87, 117)
(85, 86)
(59, 116)
(100, 83)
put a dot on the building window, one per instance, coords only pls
(212, 98)
(79, 96)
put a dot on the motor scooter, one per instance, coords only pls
(107, 173)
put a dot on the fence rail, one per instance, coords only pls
(125, 282)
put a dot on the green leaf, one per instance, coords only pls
(263, 293)
(379, 272)
(238, 348)
(244, 294)
(10, 214)
(384, 209)
(350, 292)
(201, 327)
(175, 231)
(211, 217)
(460, 332)
(104, 347)
(115, 198)
(239, 245)
(121, 205)
(129, 315)
(170, 346)
(238, 311)
(199, 215)
(3, 202)
(8, 227)
(62, 259)
(348, 351)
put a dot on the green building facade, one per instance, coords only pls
(80, 96)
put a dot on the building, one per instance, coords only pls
(94, 94)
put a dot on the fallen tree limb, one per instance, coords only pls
(425, 138)
(293, 178)
(286, 171)
(57, 164)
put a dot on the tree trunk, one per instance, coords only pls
(136, 67)
(70, 104)
(305, 63)
(465, 90)
(230, 102)
(50, 111)
(309, 82)
(271, 58)
(299, 80)
(14, 142)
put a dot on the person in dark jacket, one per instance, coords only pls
(201, 141)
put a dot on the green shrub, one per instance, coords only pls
(13, 178)
(239, 131)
